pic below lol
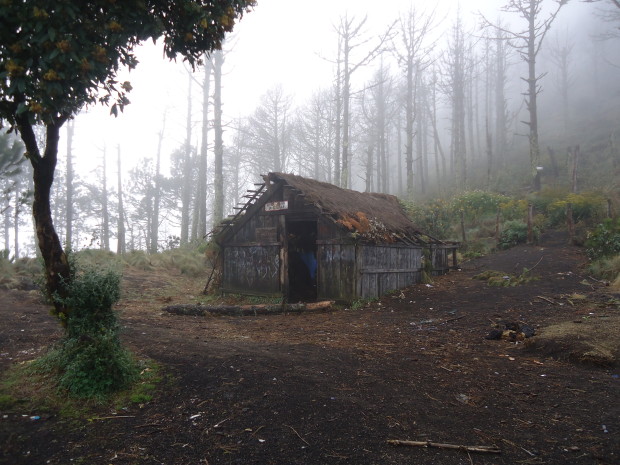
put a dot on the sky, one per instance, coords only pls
(287, 42)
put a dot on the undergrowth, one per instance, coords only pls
(500, 279)
(27, 390)
(89, 360)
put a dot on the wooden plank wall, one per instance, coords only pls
(252, 269)
(260, 228)
(336, 271)
(441, 256)
(382, 268)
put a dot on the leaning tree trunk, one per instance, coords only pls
(57, 268)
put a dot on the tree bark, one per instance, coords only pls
(187, 168)
(57, 268)
(218, 162)
(69, 187)
(105, 216)
(120, 225)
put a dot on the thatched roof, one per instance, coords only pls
(372, 216)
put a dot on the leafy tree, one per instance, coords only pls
(58, 56)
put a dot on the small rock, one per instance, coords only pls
(494, 335)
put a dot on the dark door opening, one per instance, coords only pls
(302, 263)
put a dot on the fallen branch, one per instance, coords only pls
(546, 299)
(243, 310)
(485, 449)
(294, 431)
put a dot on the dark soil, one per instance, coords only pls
(333, 387)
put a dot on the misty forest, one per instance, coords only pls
(432, 107)
(460, 164)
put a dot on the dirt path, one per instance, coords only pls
(333, 387)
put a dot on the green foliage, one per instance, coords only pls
(58, 56)
(7, 401)
(606, 267)
(477, 203)
(604, 239)
(89, 360)
(433, 218)
(513, 233)
(513, 209)
(588, 207)
(21, 274)
(362, 303)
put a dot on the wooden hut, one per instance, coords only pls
(305, 240)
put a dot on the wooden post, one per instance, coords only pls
(575, 153)
(570, 223)
(283, 233)
(463, 227)
(530, 224)
(497, 226)
(455, 263)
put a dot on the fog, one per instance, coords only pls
(282, 91)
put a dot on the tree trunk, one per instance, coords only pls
(187, 167)
(120, 225)
(218, 162)
(153, 243)
(346, 116)
(57, 268)
(16, 213)
(201, 196)
(105, 216)
(69, 187)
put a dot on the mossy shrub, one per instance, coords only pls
(89, 360)
(604, 239)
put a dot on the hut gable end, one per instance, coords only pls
(303, 239)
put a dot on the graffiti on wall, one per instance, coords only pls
(253, 266)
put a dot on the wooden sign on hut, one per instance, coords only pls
(305, 240)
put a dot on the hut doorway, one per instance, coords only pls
(302, 260)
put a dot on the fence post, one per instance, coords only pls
(530, 224)
(570, 223)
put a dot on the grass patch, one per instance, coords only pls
(362, 303)
(500, 279)
(7, 401)
(592, 341)
(25, 390)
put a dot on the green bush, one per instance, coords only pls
(587, 207)
(433, 218)
(606, 268)
(513, 233)
(476, 204)
(89, 360)
(604, 239)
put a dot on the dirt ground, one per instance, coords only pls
(333, 387)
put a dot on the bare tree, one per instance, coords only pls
(218, 148)
(560, 54)
(352, 38)
(105, 214)
(201, 185)
(314, 131)
(120, 221)
(270, 131)
(528, 41)
(454, 62)
(413, 58)
(153, 242)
